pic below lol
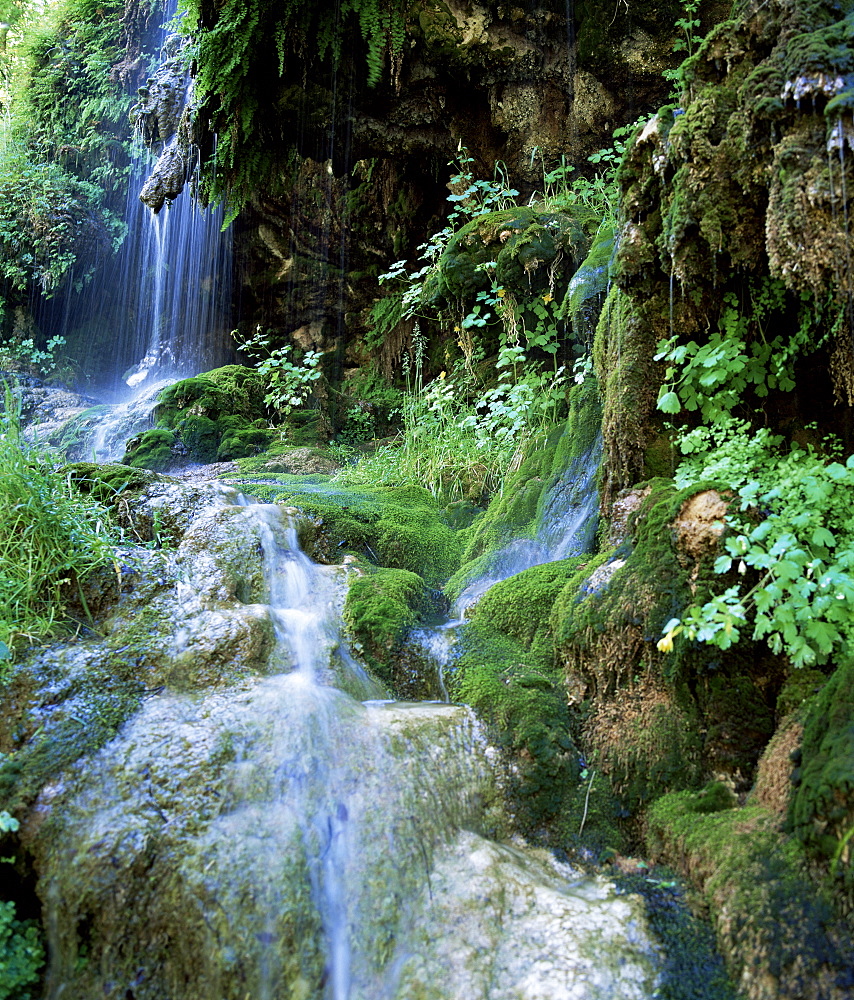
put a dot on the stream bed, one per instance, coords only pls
(296, 836)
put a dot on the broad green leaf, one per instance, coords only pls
(669, 402)
(821, 536)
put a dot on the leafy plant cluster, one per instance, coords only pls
(71, 105)
(22, 952)
(686, 42)
(463, 433)
(743, 353)
(63, 142)
(51, 539)
(243, 53)
(290, 384)
(598, 192)
(789, 547)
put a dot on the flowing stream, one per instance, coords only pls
(299, 837)
(566, 526)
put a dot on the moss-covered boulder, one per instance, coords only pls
(776, 926)
(398, 527)
(380, 608)
(217, 416)
(515, 247)
(658, 721)
(504, 667)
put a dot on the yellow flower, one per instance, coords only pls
(442, 374)
(457, 328)
(665, 645)
(548, 297)
(501, 293)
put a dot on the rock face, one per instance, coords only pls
(517, 86)
(735, 205)
(162, 113)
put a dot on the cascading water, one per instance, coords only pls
(284, 840)
(159, 309)
(566, 526)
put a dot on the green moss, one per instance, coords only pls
(629, 378)
(520, 606)
(523, 242)
(230, 391)
(395, 527)
(715, 797)
(519, 511)
(821, 813)
(520, 695)
(602, 630)
(200, 436)
(771, 919)
(380, 607)
(218, 416)
(798, 688)
(111, 481)
(153, 449)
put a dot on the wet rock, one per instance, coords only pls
(525, 928)
(302, 462)
(168, 177)
(246, 824)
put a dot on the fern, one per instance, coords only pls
(242, 59)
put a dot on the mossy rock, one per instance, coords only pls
(715, 797)
(520, 509)
(381, 606)
(111, 481)
(821, 812)
(647, 740)
(157, 449)
(603, 629)
(395, 527)
(521, 605)
(775, 926)
(523, 242)
(217, 416)
(230, 391)
(519, 693)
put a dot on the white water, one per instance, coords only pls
(285, 840)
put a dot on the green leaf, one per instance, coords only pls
(823, 634)
(668, 402)
(821, 536)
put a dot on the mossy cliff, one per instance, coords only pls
(517, 86)
(735, 201)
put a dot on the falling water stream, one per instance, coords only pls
(300, 837)
(566, 526)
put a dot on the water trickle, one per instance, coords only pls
(566, 527)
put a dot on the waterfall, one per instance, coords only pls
(284, 839)
(175, 279)
(566, 526)
(159, 309)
